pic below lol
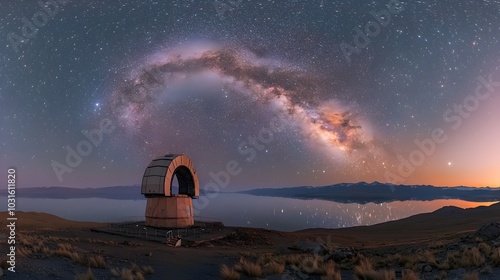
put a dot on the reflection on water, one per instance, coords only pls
(247, 210)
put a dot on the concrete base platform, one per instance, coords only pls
(170, 212)
(192, 236)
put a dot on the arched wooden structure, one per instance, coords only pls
(165, 209)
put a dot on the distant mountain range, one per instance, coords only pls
(379, 192)
(346, 193)
(116, 192)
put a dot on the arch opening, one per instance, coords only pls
(185, 181)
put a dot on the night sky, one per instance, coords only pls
(296, 92)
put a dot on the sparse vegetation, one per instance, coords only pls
(271, 264)
(96, 262)
(365, 271)
(30, 245)
(124, 273)
(442, 275)
(292, 259)
(409, 261)
(334, 276)
(248, 268)
(51, 246)
(496, 257)
(472, 257)
(102, 242)
(410, 275)
(85, 276)
(311, 264)
(365, 265)
(485, 248)
(3, 263)
(148, 270)
(486, 270)
(132, 273)
(273, 267)
(65, 250)
(228, 273)
(471, 276)
(477, 256)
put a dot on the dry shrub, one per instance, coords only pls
(248, 268)
(473, 258)
(228, 273)
(327, 268)
(445, 264)
(3, 263)
(273, 267)
(139, 276)
(441, 276)
(409, 261)
(249, 254)
(102, 242)
(335, 276)
(133, 273)
(495, 257)
(365, 264)
(393, 258)
(468, 258)
(24, 251)
(438, 244)
(410, 275)
(471, 276)
(389, 274)
(429, 258)
(135, 268)
(485, 248)
(292, 259)
(311, 264)
(329, 271)
(486, 270)
(26, 241)
(265, 258)
(85, 276)
(65, 246)
(377, 275)
(124, 273)
(65, 250)
(148, 270)
(95, 262)
(365, 271)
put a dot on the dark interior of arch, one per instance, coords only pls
(185, 179)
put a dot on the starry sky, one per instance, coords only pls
(295, 92)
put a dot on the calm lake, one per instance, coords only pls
(247, 210)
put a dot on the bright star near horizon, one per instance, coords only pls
(449, 163)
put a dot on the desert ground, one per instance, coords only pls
(450, 243)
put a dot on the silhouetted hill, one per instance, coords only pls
(447, 221)
(379, 192)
